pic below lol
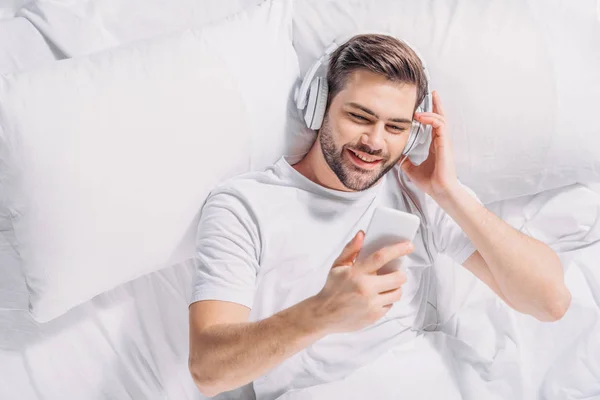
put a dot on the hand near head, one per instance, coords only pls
(436, 176)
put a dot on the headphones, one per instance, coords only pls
(311, 101)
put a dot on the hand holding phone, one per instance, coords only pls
(353, 297)
(387, 227)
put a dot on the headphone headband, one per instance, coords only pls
(301, 95)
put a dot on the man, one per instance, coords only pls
(279, 300)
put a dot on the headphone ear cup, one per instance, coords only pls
(311, 103)
(320, 103)
(412, 137)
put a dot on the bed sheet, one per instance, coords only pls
(132, 342)
(22, 46)
(487, 350)
(8, 8)
(128, 343)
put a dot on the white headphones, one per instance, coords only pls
(311, 101)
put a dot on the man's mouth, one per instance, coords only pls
(363, 160)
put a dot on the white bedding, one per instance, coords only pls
(487, 350)
(131, 342)
(8, 8)
(22, 46)
(128, 343)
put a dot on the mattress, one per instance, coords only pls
(132, 342)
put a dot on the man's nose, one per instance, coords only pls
(374, 136)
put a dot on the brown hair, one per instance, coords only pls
(381, 54)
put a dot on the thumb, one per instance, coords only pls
(407, 164)
(350, 250)
(407, 167)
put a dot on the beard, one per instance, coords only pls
(351, 176)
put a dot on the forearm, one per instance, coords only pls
(527, 272)
(225, 357)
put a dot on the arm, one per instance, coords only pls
(227, 352)
(523, 271)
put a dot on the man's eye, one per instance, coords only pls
(397, 128)
(359, 117)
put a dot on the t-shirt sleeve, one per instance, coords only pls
(227, 252)
(448, 237)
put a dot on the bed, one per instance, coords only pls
(131, 342)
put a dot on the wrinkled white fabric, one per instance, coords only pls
(85, 27)
(22, 46)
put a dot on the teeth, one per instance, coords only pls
(364, 158)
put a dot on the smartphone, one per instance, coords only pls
(388, 226)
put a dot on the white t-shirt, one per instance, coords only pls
(268, 239)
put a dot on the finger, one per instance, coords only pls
(430, 114)
(351, 250)
(389, 298)
(435, 120)
(432, 148)
(406, 165)
(390, 281)
(408, 169)
(384, 255)
(437, 103)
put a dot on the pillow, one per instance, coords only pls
(520, 81)
(85, 27)
(105, 160)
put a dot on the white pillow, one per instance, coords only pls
(520, 81)
(85, 27)
(105, 161)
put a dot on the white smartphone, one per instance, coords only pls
(388, 226)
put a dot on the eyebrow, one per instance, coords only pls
(365, 109)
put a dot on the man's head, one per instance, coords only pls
(375, 85)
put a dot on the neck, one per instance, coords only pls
(314, 167)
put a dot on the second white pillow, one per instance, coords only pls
(520, 81)
(106, 160)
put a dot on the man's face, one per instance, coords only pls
(370, 118)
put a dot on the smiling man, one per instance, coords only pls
(279, 300)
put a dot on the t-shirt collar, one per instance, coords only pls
(314, 187)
